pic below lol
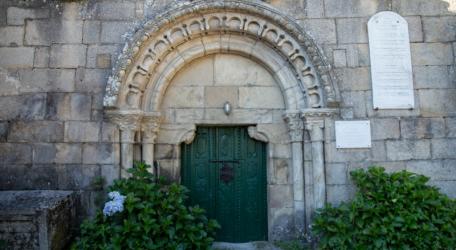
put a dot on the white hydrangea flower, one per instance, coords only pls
(115, 205)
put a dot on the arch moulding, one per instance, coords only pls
(162, 46)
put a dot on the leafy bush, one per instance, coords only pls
(390, 211)
(149, 215)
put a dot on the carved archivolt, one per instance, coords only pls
(220, 21)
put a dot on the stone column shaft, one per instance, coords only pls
(315, 127)
(296, 129)
(126, 151)
(149, 126)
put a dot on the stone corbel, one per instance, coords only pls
(188, 135)
(128, 122)
(150, 125)
(257, 135)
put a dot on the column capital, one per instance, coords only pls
(126, 120)
(314, 120)
(150, 124)
(295, 125)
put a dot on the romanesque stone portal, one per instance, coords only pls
(184, 65)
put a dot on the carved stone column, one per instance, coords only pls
(296, 128)
(149, 126)
(128, 122)
(315, 124)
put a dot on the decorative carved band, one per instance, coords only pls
(227, 18)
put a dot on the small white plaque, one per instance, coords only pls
(391, 64)
(353, 134)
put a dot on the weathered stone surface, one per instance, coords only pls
(23, 107)
(282, 171)
(21, 57)
(46, 32)
(11, 35)
(280, 196)
(41, 57)
(408, 150)
(99, 153)
(4, 127)
(437, 102)
(15, 153)
(415, 28)
(77, 177)
(58, 153)
(422, 128)
(385, 129)
(446, 187)
(439, 29)
(428, 77)
(97, 52)
(354, 8)
(356, 100)
(47, 80)
(116, 10)
(391, 112)
(422, 7)
(68, 56)
(184, 97)
(353, 79)
(237, 70)
(91, 80)
(17, 16)
(217, 96)
(340, 58)
(91, 31)
(336, 173)
(261, 97)
(431, 54)
(36, 131)
(436, 170)
(333, 155)
(450, 126)
(443, 149)
(28, 176)
(37, 219)
(339, 193)
(112, 32)
(322, 30)
(295, 7)
(110, 173)
(352, 30)
(82, 131)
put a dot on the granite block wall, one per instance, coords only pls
(55, 59)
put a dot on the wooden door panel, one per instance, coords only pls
(225, 171)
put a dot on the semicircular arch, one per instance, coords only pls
(231, 26)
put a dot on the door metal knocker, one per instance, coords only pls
(226, 173)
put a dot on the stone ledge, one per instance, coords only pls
(39, 219)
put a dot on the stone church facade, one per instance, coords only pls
(89, 87)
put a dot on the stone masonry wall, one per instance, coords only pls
(55, 59)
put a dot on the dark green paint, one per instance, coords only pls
(239, 205)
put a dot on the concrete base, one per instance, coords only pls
(40, 219)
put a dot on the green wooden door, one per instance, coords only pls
(225, 171)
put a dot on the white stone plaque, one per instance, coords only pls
(391, 64)
(353, 134)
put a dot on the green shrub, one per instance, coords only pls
(154, 216)
(390, 211)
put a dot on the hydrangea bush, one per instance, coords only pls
(145, 213)
(389, 211)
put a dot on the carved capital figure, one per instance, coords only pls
(295, 125)
(150, 125)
